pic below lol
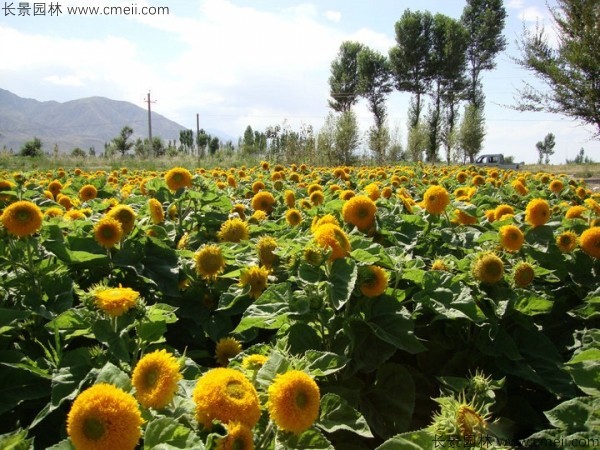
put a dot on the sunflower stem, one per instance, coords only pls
(266, 437)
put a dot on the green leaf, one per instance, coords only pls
(167, 433)
(337, 414)
(320, 364)
(390, 323)
(104, 332)
(386, 413)
(413, 440)
(8, 316)
(533, 305)
(311, 439)
(342, 280)
(17, 440)
(584, 367)
(111, 374)
(65, 444)
(302, 337)
(575, 415)
(276, 364)
(270, 311)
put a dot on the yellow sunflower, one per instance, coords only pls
(463, 218)
(511, 238)
(256, 278)
(289, 198)
(318, 221)
(233, 230)
(439, 264)
(488, 268)
(520, 187)
(293, 217)
(470, 421)
(74, 214)
(108, 232)
(157, 214)
(537, 212)
(523, 274)
(178, 178)
(265, 249)
(254, 362)
(116, 301)
(104, 417)
(155, 379)
(346, 194)
(294, 399)
(317, 198)
(226, 395)
(88, 192)
(556, 186)
(55, 187)
(209, 261)
(373, 281)
(239, 437)
(567, 241)
(22, 218)
(360, 212)
(435, 200)
(263, 201)
(575, 212)
(226, 349)
(331, 237)
(125, 215)
(501, 211)
(590, 242)
(54, 211)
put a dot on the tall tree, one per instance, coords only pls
(186, 139)
(121, 143)
(571, 71)
(202, 140)
(247, 144)
(410, 58)
(374, 82)
(472, 132)
(484, 21)
(546, 148)
(343, 81)
(347, 137)
(448, 62)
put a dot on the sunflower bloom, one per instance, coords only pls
(108, 232)
(463, 218)
(125, 215)
(537, 212)
(209, 262)
(226, 395)
(590, 242)
(360, 212)
(436, 199)
(116, 301)
(327, 218)
(293, 217)
(254, 362)
(22, 218)
(488, 268)
(157, 214)
(265, 249)
(289, 198)
(556, 186)
(263, 201)
(294, 399)
(523, 274)
(226, 349)
(567, 241)
(256, 278)
(239, 437)
(155, 379)
(233, 230)
(103, 417)
(88, 192)
(331, 237)
(374, 281)
(511, 238)
(178, 178)
(470, 421)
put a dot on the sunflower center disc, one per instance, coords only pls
(235, 389)
(301, 400)
(93, 429)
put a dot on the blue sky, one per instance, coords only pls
(252, 62)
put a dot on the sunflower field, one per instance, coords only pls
(293, 307)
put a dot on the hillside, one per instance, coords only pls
(80, 123)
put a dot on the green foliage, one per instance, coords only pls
(472, 132)
(546, 147)
(31, 148)
(569, 71)
(343, 81)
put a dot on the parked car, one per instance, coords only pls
(496, 160)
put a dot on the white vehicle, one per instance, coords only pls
(496, 160)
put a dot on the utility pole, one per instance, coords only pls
(149, 120)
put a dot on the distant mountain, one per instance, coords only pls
(84, 123)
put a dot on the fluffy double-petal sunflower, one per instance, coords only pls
(22, 218)
(155, 378)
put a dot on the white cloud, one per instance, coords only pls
(533, 14)
(515, 4)
(334, 16)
